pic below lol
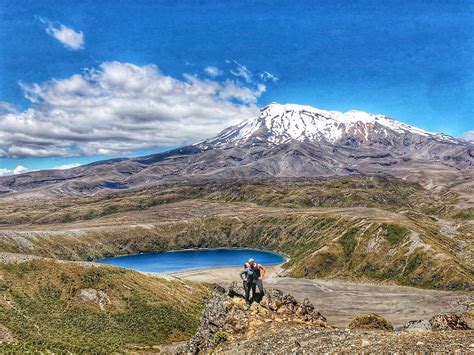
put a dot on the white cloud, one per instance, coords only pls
(6, 107)
(119, 108)
(233, 90)
(266, 76)
(213, 71)
(66, 35)
(242, 72)
(18, 170)
(469, 136)
(67, 166)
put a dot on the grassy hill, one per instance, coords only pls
(378, 191)
(63, 306)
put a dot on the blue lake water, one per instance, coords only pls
(192, 259)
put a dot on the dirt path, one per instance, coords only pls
(341, 301)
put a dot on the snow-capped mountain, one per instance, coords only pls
(283, 141)
(279, 124)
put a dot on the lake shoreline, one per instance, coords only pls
(228, 273)
(193, 260)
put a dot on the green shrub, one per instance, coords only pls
(371, 321)
(110, 209)
(394, 234)
(220, 336)
(90, 215)
(91, 278)
(67, 219)
(349, 242)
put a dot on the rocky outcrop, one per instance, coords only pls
(227, 317)
(275, 301)
(449, 321)
(371, 321)
(98, 297)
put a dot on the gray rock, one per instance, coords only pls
(417, 326)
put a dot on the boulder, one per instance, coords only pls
(306, 311)
(272, 300)
(417, 326)
(448, 321)
(371, 321)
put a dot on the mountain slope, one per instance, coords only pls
(283, 141)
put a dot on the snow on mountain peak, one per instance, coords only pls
(278, 124)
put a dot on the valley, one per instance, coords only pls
(331, 228)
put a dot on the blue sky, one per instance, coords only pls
(124, 78)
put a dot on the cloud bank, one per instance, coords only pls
(119, 108)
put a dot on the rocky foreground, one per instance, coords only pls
(280, 324)
(310, 341)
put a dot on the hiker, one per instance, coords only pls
(258, 274)
(247, 278)
(252, 277)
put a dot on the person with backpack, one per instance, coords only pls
(252, 277)
(257, 280)
(247, 278)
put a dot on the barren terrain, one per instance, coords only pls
(342, 301)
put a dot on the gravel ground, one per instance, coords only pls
(310, 341)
